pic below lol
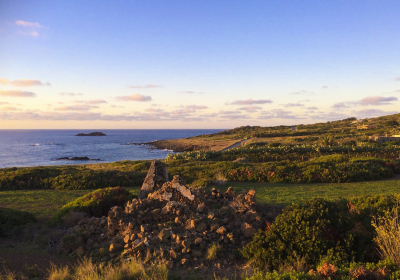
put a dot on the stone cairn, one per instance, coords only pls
(173, 222)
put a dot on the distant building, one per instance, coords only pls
(384, 139)
(356, 121)
(294, 128)
(367, 126)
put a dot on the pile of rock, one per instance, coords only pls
(171, 221)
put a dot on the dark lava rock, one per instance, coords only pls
(91, 134)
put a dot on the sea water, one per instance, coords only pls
(20, 148)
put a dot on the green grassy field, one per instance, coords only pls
(44, 203)
(286, 194)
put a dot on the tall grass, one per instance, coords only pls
(87, 270)
(388, 235)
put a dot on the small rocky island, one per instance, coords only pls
(91, 134)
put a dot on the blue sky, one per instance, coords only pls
(196, 64)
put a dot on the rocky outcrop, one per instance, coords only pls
(75, 158)
(173, 222)
(156, 177)
(92, 134)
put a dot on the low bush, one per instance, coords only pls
(318, 231)
(12, 221)
(96, 203)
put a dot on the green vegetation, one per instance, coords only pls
(12, 221)
(96, 203)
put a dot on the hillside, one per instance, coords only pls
(344, 131)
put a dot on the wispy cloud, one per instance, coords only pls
(324, 86)
(302, 92)
(251, 102)
(145, 86)
(9, 108)
(23, 82)
(250, 109)
(135, 97)
(377, 100)
(341, 105)
(397, 79)
(312, 108)
(17, 93)
(95, 101)
(70, 93)
(31, 33)
(278, 114)
(293, 105)
(223, 112)
(28, 24)
(368, 113)
(196, 107)
(192, 92)
(85, 107)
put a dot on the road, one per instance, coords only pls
(237, 144)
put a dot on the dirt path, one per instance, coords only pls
(237, 144)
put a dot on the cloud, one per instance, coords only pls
(70, 93)
(234, 117)
(302, 92)
(154, 110)
(367, 113)
(377, 100)
(222, 112)
(76, 108)
(135, 97)
(324, 86)
(293, 105)
(17, 93)
(397, 79)
(3, 103)
(32, 33)
(9, 108)
(312, 108)
(341, 105)
(95, 101)
(145, 86)
(331, 116)
(278, 114)
(250, 109)
(23, 82)
(192, 92)
(196, 107)
(28, 24)
(251, 102)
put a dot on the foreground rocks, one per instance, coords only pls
(172, 222)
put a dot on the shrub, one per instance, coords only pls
(11, 221)
(212, 251)
(318, 230)
(96, 203)
(388, 235)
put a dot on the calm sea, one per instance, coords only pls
(41, 147)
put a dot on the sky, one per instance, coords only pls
(196, 64)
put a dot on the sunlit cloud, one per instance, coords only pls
(17, 93)
(32, 33)
(3, 103)
(135, 97)
(223, 112)
(154, 110)
(368, 113)
(9, 108)
(70, 93)
(377, 100)
(196, 107)
(341, 105)
(278, 114)
(95, 101)
(23, 82)
(293, 105)
(76, 108)
(330, 116)
(251, 102)
(234, 117)
(250, 109)
(312, 108)
(302, 92)
(28, 24)
(192, 92)
(145, 86)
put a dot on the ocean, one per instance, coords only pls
(22, 148)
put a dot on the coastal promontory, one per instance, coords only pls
(91, 134)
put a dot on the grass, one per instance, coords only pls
(42, 203)
(286, 194)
